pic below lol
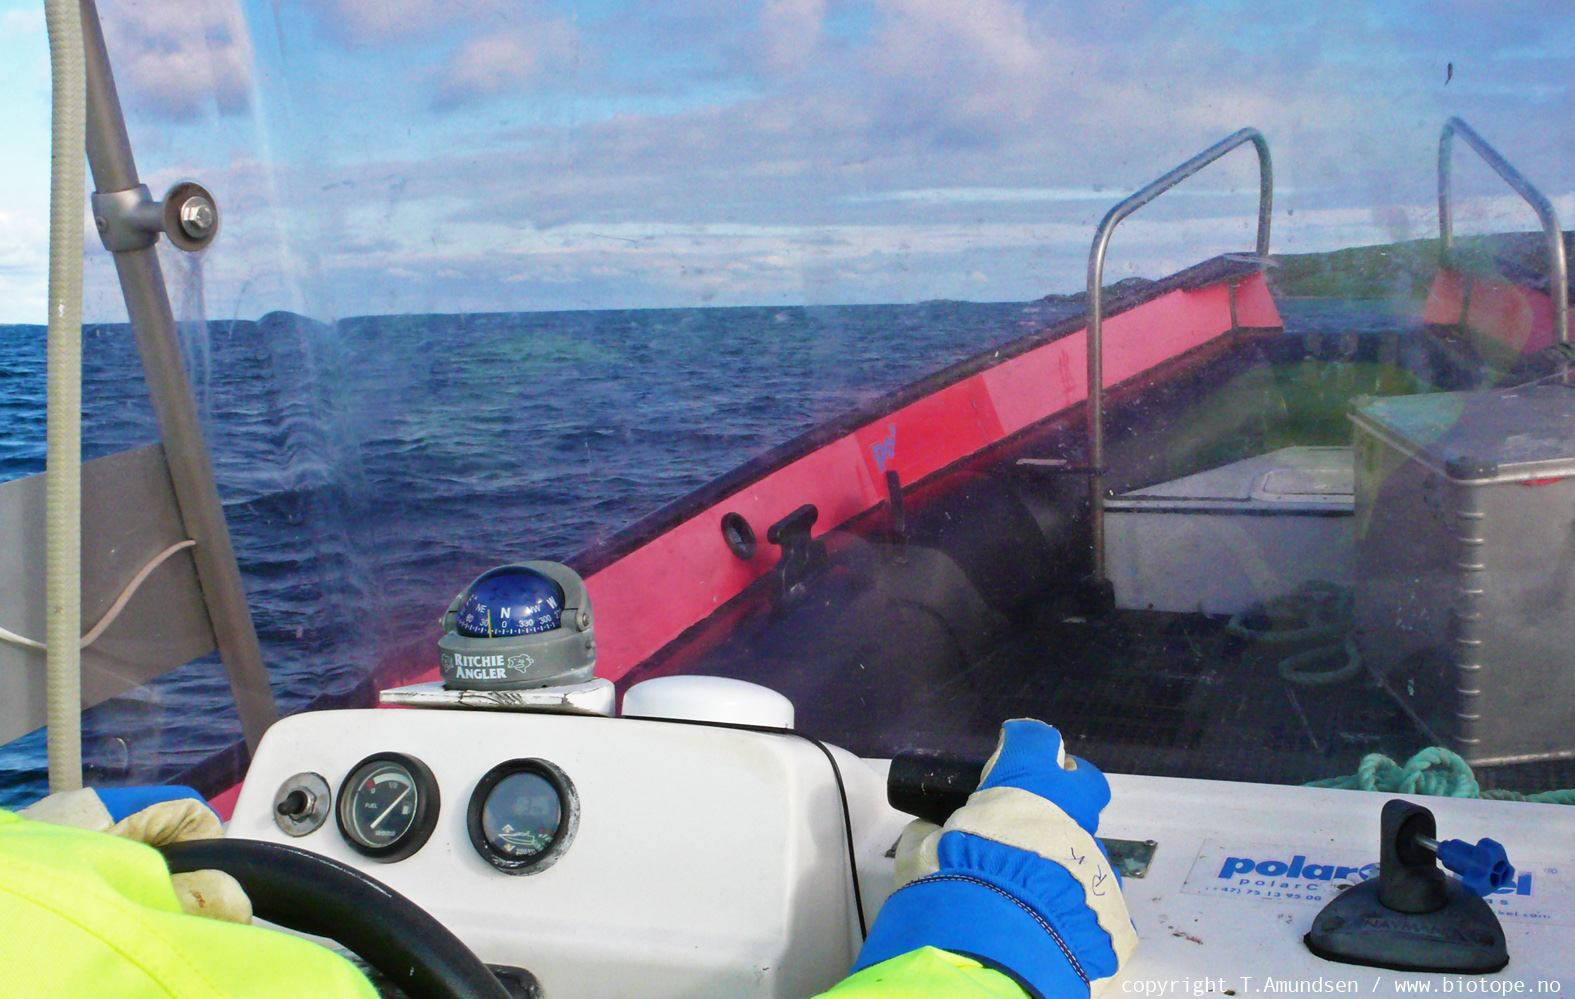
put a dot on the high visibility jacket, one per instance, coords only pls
(88, 914)
(85, 913)
(929, 973)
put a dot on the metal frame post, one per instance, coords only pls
(1552, 232)
(1096, 272)
(185, 450)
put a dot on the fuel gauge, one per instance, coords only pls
(388, 806)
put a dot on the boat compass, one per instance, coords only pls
(517, 638)
(518, 627)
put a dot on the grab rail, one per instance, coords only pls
(1558, 272)
(1096, 271)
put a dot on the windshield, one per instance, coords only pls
(500, 282)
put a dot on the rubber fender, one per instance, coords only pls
(878, 650)
(984, 525)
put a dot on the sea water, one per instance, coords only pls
(372, 467)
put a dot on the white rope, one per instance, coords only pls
(114, 608)
(15, 639)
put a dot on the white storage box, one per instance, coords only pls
(1222, 540)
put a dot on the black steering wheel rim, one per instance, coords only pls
(309, 893)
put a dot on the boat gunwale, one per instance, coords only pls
(704, 632)
(601, 554)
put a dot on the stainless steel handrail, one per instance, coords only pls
(1553, 234)
(1096, 271)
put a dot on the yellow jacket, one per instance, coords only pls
(84, 913)
(87, 914)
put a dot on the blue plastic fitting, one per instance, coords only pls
(1482, 868)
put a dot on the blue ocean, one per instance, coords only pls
(370, 468)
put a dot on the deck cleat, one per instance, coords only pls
(1411, 917)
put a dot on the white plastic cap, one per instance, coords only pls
(708, 698)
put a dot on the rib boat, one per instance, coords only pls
(1251, 572)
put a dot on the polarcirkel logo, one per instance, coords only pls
(1281, 873)
(1262, 872)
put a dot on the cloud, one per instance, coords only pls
(493, 64)
(1013, 195)
(24, 265)
(823, 151)
(175, 58)
(22, 21)
(487, 48)
(386, 22)
(790, 32)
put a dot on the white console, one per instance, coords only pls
(713, 862)
(707, 861)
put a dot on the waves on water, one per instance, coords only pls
(370, 468)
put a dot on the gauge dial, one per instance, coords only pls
(520, 817)
(523, 815)
(388, 806)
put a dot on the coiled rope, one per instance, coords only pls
(1318, 614)
(1434, 771)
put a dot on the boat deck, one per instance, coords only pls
(1179, 695)
(1140, 692)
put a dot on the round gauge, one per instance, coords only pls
(522, 816)
(388, 806)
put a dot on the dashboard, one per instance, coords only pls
(630, 857)
(608, 856)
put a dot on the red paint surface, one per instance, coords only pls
(647, 598)
(224, 802)
(1255, 306)
(1519, 318)
(1445, 300)
(1516, 317)
(929, 434)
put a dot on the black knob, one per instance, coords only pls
(295, 804)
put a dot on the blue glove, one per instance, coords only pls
(1015, 879)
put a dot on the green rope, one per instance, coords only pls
(1314, 611)
(1316, 614)
(1433, 771)
(1298, 669)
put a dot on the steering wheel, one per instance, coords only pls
(302, 891)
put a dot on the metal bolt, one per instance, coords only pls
(101, 222)
(196, 217)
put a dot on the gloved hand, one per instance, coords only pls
(155, 816)
(1015, 879)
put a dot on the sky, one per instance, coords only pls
(410, 156)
